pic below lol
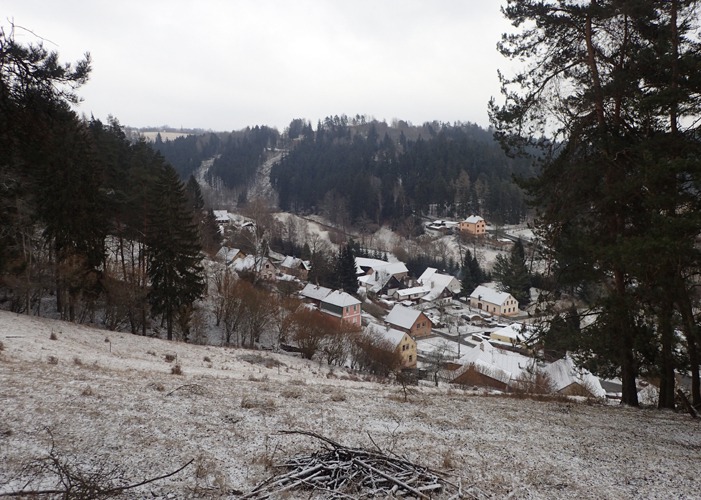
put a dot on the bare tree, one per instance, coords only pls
(310, 329)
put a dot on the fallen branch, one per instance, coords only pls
(78, 481)
(341, 472)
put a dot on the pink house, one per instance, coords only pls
(343, 306)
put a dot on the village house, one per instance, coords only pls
(295, 267)
(488, 366)
(513, 335)
(413, 294)
(222, 216)
(568, 380)
(399, 342)
(263, 267)
(227, 255)
(343, 306)
(493, 301)
(443, 226)
(369, 267)
(408, 320)
(474, 226)
(314, 294)
(439, 287)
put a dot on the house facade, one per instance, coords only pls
(399, 342)
(295, 267)
(474, 226)
(440, 287)
(493, 301)
(342, 306)
(410, 321)
(262, 266)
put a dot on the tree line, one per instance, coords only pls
(354, 175)
(98, 223)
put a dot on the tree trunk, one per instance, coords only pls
(692, 342)
(666, 399)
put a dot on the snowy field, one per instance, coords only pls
(110, 399)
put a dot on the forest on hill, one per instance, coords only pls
(357, 171)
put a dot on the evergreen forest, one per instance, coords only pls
(358, 171)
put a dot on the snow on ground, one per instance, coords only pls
(110, 399)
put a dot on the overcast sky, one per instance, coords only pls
(224, 65)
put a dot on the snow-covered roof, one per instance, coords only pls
(490, 295)
(392, 336)
(401, 316)
(227, 255)
(473, 219)
(294, 263)
(315, 292)
(514, 331)
(221, 215)
(368, 262)
(341, 299)
(564, 373)
(502, 364)
(408, 292)
(436, 283)
(250, 262)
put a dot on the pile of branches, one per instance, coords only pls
(341, 472)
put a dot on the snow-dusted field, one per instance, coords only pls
(110, 398)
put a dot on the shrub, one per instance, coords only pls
(176, 370)
(337, 397)
(207, 359)
(2, 346)
(77, 361)
(170, 358)
(53, 360)
(53, 335)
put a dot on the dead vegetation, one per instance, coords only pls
(57, 474)
(341, 472)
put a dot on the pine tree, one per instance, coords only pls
(175, 268)
(512, 274)
(345, 269)
(472, 273)
(609, 103)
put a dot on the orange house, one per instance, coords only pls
(474, 225)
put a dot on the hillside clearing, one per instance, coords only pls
(110, 398)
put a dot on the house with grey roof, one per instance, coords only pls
(493, 301)
(342, 306)
(409, 320)
(314, 294)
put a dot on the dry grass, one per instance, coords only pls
(251, 402)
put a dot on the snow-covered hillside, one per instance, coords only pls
(110, 399)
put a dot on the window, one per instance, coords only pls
(411, 358)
